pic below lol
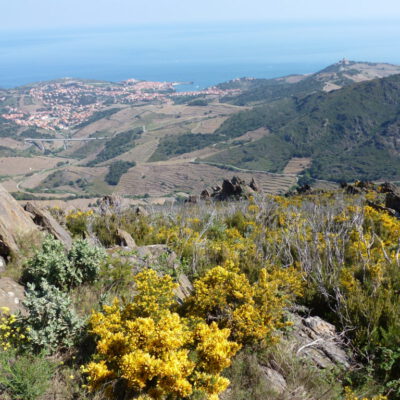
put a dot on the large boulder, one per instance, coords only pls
(15, 224)
(44, 219)
(317, 341)
(12, 295)
(392, 201)
(125, 239)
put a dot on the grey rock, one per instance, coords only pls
(12, 295)
(234, 189)
(15, 224)
(45, 220)
(125, 239)
(318, 341)
(185, 288)
(274, 379)
(2, 264)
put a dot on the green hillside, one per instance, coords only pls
(335, 76)
(350, 133)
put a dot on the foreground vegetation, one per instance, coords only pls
(100, 326)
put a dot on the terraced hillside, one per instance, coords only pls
(165, 179)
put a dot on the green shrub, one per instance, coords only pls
(116, 170)
(24, 377)
(86, 260)
(51, 323)
(61, 269)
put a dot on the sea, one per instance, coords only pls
(203, 54)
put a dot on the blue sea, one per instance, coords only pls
(205, 54)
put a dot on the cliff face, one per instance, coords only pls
(14, 223)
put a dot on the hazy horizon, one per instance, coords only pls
(26, 14)
(204, 53)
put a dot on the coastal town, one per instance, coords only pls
(67, 103)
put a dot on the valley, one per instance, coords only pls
(338, 124)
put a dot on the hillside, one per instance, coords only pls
(331, 78)
(350, 133)
(150, 124)
(270, 297)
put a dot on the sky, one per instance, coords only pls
(43, 14)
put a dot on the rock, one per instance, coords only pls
(274, 379)
(380, 208)
(12, 295)
(350, 189)
(15, 223)
(125, 239)
(205, 195)
(230, 189)
(388, 187)
(305, 189)
(234, 189)
(44, 219)
(192, 200)
(110, 204)
(139, 210)
(393, 201)
(254, 185)
(317, 341)
(185, 288)
(2, 264)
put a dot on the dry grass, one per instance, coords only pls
(162, 179)
(25, 165)
(297, 165)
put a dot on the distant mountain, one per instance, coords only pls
(331, 78)
(350, 133)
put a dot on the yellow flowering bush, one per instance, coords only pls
(251, 312)
(77, 222)
(349, 395)
(145, 349)
(11, 332)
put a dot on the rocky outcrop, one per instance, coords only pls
(110, 204)
(234, 189)
(12, 295)
(15, 223)
(313, 343)
(45, 220)
(125, 239)
(389, 195)
(317, 340)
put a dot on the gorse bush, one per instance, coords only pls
(63, 269)
(251, 312)
(78, 221)
(145, 349)
(249, 261)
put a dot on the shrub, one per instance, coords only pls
(145, 349)
(24, 377)
(86, 260)
(77, 222)
(50, 263)
(50, 323)
(116, 170)
(61, 269)
(251, 312)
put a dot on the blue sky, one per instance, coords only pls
(20, 14)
